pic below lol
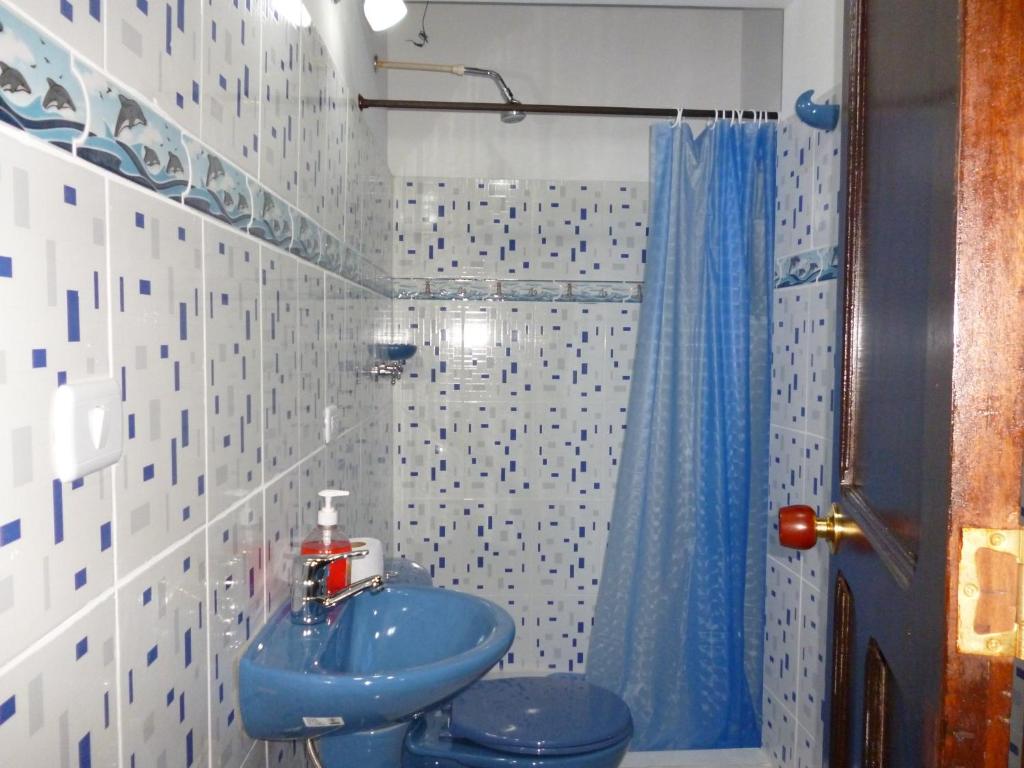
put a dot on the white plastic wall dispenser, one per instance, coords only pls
(85, 427)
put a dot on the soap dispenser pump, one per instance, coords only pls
(328, 539)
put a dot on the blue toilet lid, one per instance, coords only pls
(557, 715)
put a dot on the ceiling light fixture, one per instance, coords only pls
(382, 14)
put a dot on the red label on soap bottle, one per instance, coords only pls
(337, 574)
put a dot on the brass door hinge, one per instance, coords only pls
(990, 591)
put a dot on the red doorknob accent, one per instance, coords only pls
(797, 529)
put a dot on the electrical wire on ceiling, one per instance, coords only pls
(422, 38)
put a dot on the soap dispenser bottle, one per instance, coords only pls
(328, 539)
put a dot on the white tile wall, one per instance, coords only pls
(513, 228)
(156, 48)
(547, 384)
(80, 23)
(181, 286)
(310, 315)
(231, 81)
(278, 277)
(234, 367)
(237, 611)
(56, 552)
(509, 433)
(510, 417)
(61, 702)
(279, 115)
(802, 424)
(312, 133)
(158, 302)
(222, 344)
(162, 636)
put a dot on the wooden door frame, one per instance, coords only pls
(970, 724)
(988, 351)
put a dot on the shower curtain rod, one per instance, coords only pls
(560, 109)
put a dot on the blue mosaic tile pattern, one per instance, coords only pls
(144, 134)
(79, 22)
(280, 370)
(336, 105)
(527, 229)
(168, 72)
(805, 317)
(231, 80)
(127, 253)
(162, 645)
(807, 205)
(236, 602)
(476, 289)
(368, 194)
(279, 113)
(61, 701)
(158, 309)
(56, 559)
(285, 529)
(234, 367)
(510, 424)
(313, 105)
(310, 311)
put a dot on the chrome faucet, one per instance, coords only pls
(310, 596)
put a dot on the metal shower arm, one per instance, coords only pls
(450, 69)
(499, 81)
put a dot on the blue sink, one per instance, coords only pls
(355, 682)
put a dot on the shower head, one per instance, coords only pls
(511, 116)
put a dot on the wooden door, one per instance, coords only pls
(932, 374)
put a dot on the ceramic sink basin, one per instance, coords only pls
(377, 661)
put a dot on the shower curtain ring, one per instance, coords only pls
(679, 117)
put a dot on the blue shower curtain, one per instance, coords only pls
(679, 622)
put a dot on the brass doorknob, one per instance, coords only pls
(799, 528)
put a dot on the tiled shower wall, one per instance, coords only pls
(188, 204)
(521, 297)
(802, 424)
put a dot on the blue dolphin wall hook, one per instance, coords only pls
(822, 116)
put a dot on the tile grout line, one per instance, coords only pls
(48, 149)
(799, 639)
(207, 310)
(120, 580)
(262, 435)
(116, 582)
(132, 575)
(75, 56)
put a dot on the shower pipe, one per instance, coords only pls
(538, 109)
(514, 115)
